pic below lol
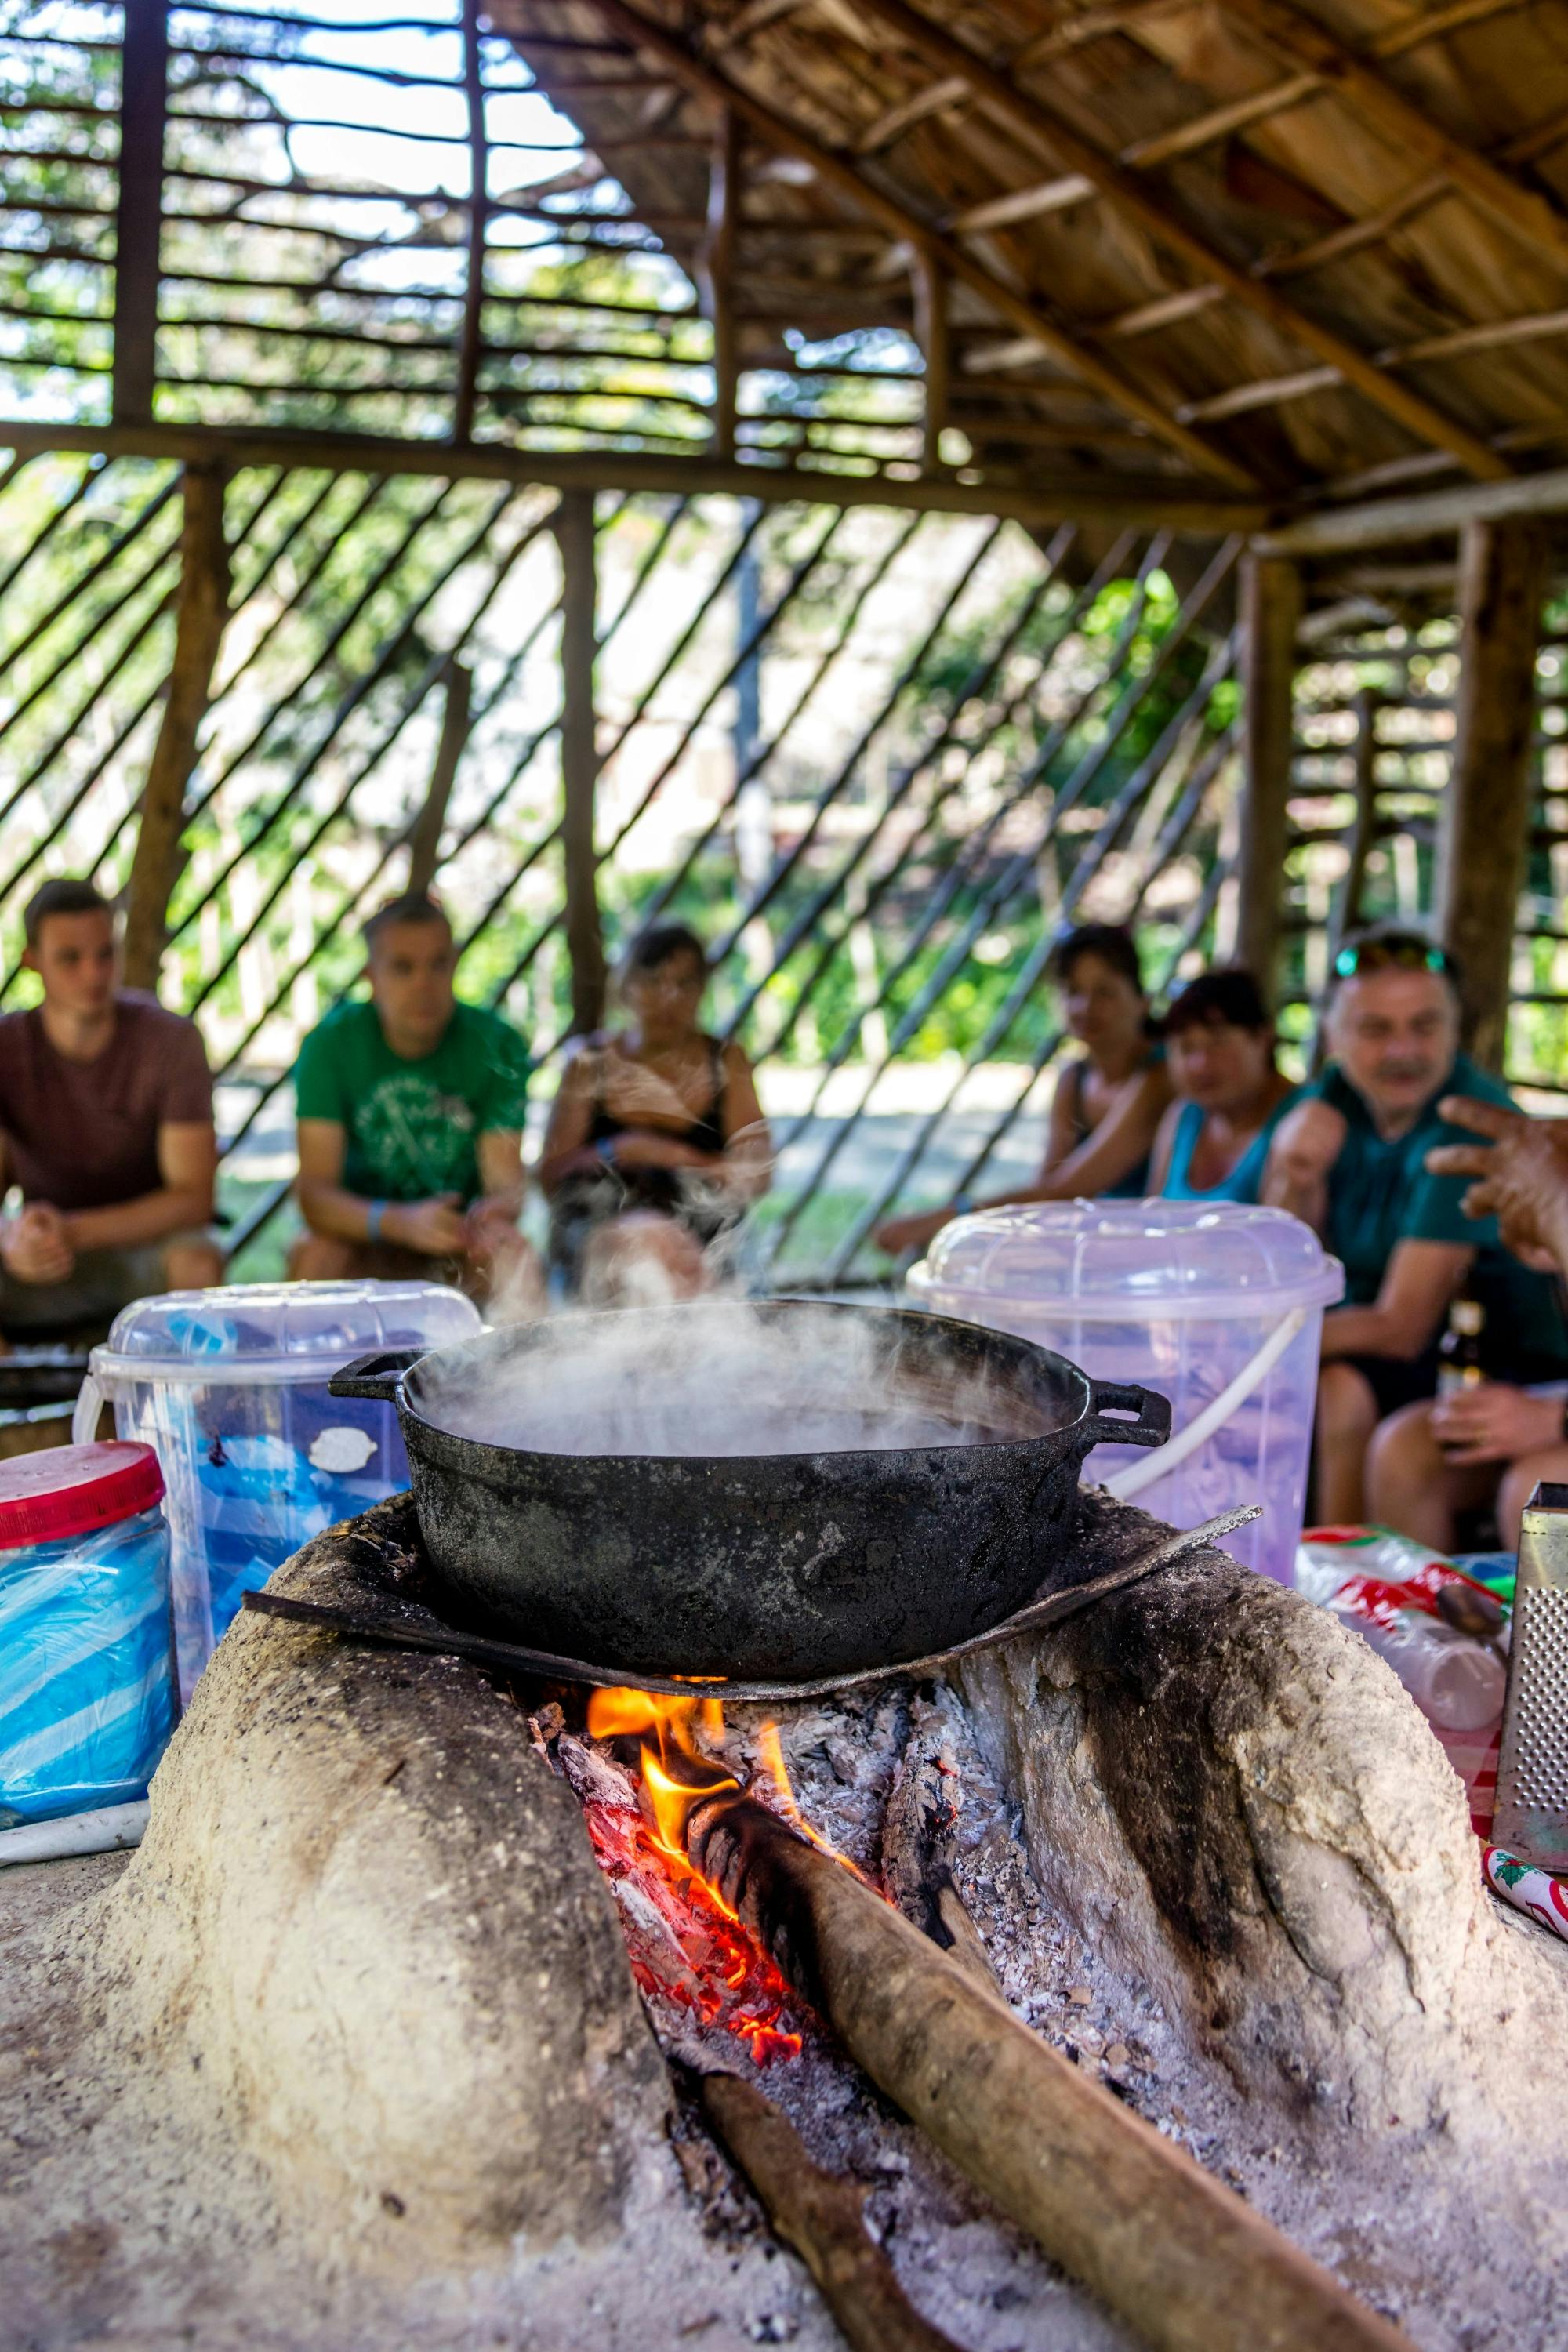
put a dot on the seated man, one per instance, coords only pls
(1351, 1158)
(410, 1110)
(1494, 1442)
(106, 1123)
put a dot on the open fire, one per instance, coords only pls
(689, 1951)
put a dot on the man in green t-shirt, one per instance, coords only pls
(1351, 1158)
(410, 1113)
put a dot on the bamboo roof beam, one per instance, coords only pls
(1307, 44)
(934, 100)
(470, 343)
(840, 173)
(1036, 125)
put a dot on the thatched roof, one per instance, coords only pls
(1224, 210)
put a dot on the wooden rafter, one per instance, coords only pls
(139, 212)
(931, 335)
(715, 274)
(838, 172)
(470, 347)
(1290, 34)
(1103, 499)
(1036, 125)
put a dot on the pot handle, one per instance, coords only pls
(378, 1375)
(1106, 1398)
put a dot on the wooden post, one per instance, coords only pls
(580, 757)
(931, 335)
(1270, 612)
(144, 70)
(425, 837)
(715, 276)
(1486, 809)
(471, 346)
(202, 617)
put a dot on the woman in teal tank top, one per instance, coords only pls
(1230, 1094)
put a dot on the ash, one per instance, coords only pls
(895, 1782)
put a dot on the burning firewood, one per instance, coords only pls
(822, 2216)
(1168, 2248)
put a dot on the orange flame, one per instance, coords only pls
(676, 1774)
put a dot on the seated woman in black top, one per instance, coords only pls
(657, 1142)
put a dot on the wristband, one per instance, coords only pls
(963, 1204)
(605, 1150)
(373, 1217)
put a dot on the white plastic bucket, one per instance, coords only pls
(229, 1387)
(1218, 1306)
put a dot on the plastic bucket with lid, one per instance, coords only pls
(230, 1388)
(87, 1684)
(1217, 1304)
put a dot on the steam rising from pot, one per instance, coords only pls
(718, 1380)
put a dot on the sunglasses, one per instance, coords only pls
(1393, 955)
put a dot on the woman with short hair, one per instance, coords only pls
(1231, 1093)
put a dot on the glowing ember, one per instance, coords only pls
(686, 1943)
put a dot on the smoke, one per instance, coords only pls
(728, 1379)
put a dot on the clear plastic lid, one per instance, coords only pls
(277, 1331)
(1105, 1259)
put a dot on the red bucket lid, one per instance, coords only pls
(68, 1490)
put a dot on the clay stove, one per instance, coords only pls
(353, 2046)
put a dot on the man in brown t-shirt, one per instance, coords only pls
(106, 1123)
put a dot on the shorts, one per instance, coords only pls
(100, 1283)
(1396, 1380)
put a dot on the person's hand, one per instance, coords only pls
(37, 1247)
(1521, 1170)
(436, 1227)
(492, 1224)
(1496, 1422)
(900, 1234)
(1308, 1140)
(644, 1147)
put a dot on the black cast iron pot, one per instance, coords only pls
(761, 1562)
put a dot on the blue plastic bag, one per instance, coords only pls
(86, 1693)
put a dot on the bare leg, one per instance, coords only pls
(193, 1265)
(1347, 1415)
(321, 1257)
(1411, 1485)
(1520, 1481)
(642, 1260)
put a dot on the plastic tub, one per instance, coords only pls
(230, 1387)
(87, 1684)
(1217, 1304)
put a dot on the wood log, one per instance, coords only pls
(203, 615)
(822, 2216)
(425, 834)
(580, 756)
(1168, 2249)
(1270, 614)
(1487, 807)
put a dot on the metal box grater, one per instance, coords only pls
(1532, 1817)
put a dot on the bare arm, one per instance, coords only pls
(1307, 1143)
(187, 1162)
(749, 1153)
(1420, 1279)
(565, 1149)
(1062, 1126)
(501, 1179)
(434, 1226)
(1124, 1137)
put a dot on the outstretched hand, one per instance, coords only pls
(36, 1247)
(1521, 1175)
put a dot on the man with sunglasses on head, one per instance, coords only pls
(1350, 1159)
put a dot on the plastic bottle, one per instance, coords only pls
(1457, 1681)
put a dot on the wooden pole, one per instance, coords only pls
(1175, 2253)
(931, 335)
(470, 347)
(202, 612)
(145, 71)
(425, 838)
(1270, 612)
(715, 276)
(580, 757)
(1486, 809)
